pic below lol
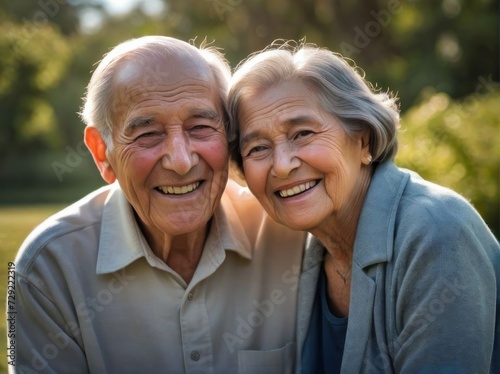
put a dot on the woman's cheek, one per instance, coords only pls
(254, 177)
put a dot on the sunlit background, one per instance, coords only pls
(441, 57)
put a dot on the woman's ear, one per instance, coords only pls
(366, 156)
(97, 147)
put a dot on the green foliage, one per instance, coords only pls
(34, 58)
(403, 45)
(457, 144)
(410, 47)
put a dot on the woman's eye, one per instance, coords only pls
(256, 149)
(302, 134)
(200, 127)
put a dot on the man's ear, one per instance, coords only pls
(97, 147)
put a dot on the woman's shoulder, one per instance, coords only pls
(432, 201)
(406, 193)
(430, 211)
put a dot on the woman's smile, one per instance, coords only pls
(297, 189)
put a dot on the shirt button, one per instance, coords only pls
(190, 296)
(195, 355)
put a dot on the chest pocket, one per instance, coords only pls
(276, 361)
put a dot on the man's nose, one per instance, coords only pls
(179, 154)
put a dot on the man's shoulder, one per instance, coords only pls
(70, 221)
(242, 200)
(239, 193)
(254, 219)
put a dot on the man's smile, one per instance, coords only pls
(178, 190)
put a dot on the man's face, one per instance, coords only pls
(169, 149)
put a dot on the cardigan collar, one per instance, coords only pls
(374, 238)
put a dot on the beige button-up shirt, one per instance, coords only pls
(92, 297)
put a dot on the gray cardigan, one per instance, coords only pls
(425, 282)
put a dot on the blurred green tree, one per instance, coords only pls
(34, 14)
(404, 45)
(435, 54)
(29, 68)
(457, 144)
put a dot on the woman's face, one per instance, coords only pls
(297, 159)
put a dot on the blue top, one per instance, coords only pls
(425, 282)
(324, 345)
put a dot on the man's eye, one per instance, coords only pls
(202, 131)
(148, 135)
(149, 138)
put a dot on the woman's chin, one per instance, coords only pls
(296, 222)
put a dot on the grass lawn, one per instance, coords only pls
(15, 225)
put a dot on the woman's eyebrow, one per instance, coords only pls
(248, 138)
(299, 120)
(288, 123)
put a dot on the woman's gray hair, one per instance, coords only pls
(340, 87)
(99, 104)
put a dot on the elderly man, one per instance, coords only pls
(165, 269)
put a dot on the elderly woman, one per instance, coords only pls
(401, 275)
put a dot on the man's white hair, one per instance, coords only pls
(100, 102)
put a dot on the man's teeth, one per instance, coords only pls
(298, 189)
(179, 190)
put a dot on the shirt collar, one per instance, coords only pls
(122, 242)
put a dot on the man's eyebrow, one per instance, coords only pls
(291, 122)
(137, 122)
(205, 113)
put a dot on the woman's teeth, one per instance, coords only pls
(298, 189)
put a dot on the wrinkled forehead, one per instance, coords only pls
(277, 100)
(162, 68)
(148, 81)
